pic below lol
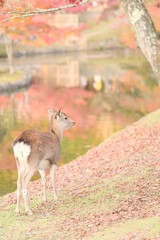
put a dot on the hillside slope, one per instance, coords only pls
(112, 192)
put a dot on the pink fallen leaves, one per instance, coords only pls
(133, 158)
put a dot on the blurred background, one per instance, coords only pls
(83, 60)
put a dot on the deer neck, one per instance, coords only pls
(54, 128)
(58, 133)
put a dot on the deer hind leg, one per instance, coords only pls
(26, 178)
(52, 174)
(21, 170)
(21, 153)
(19, 188)
(43, 176)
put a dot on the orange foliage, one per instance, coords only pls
(129, 78)
(128, 39)
(123, 26)
(155, 14)
(37, 30)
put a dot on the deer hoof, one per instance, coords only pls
(29, 213)
(17, 214)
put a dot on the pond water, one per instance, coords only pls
(101, 93)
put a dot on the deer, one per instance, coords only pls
(38, 151)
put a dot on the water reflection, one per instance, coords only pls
(100, 94)
(68, 74)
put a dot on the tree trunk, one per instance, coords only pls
(145, 33)
(9, 50)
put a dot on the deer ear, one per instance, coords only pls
(51, 113)
(58, 114)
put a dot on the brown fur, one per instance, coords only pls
(35, 150)
(40, 141)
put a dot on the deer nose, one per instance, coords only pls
(73, 123)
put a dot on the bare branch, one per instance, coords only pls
(24, 14)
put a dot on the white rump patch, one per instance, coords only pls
(21, 151)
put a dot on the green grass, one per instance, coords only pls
(22, 227)
(150, 118)
(101, 197)
(80, 146)
(147, 227)
(2, 50)
(133, 61)
(99, 32)
(8, 181)
(11, 78)
(34, 227)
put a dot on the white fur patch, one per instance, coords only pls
(21, 151)
(25, 192)
(18, 193)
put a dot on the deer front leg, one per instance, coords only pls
(52, 174)
(43, 176)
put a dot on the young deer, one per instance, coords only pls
(34, 150)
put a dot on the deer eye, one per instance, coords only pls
(65, 118)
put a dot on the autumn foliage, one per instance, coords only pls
(119, 20)
(36, 30)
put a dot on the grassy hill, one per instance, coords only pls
(112, 192)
